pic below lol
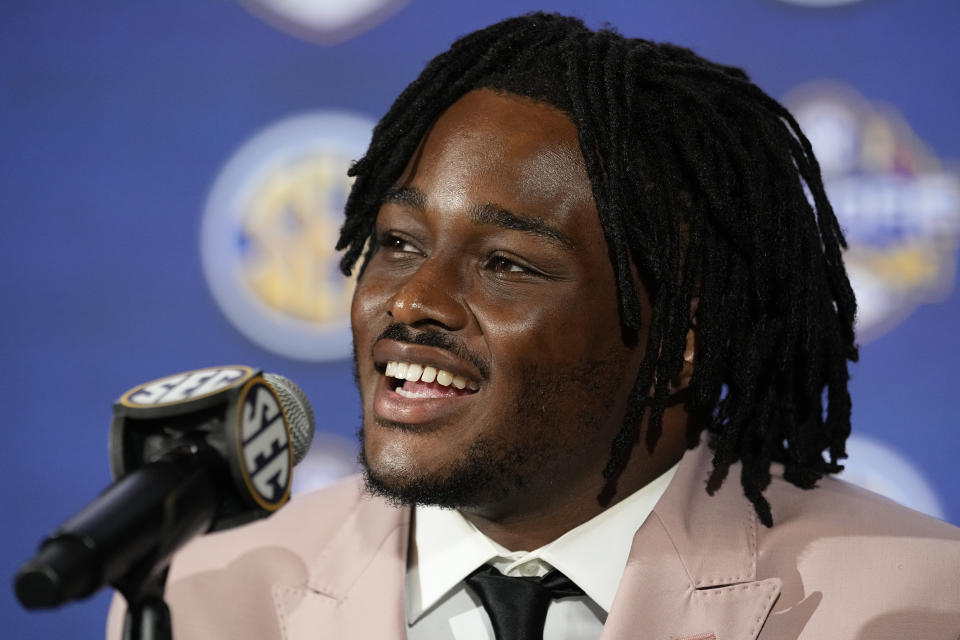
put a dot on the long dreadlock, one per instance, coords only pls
(705, 185)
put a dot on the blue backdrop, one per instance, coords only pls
(119, 117)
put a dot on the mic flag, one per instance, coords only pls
(260, 424)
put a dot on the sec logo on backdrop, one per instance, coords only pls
(269, 228)
(897, 204)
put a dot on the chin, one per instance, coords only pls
(474, 479)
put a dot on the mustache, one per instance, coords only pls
(445, 341)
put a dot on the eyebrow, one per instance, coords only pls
(407, 196)
(498, 216)
(485, 214)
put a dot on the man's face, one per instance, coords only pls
(491, 269)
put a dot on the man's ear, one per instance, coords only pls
(682, 379)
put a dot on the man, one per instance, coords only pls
(601, 330)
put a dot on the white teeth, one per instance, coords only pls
(414, 372)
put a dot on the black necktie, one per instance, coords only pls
(518, 606)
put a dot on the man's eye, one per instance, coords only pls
(501, 264)
(396, 243)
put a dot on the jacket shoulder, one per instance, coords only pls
(856, 564)
(838, 508)
(303, 525)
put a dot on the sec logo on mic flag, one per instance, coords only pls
(263, 458)
(190, 386)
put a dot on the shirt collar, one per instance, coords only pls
(447, 548)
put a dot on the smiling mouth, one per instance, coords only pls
(413, 380)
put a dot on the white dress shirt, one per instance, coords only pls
(446, 548)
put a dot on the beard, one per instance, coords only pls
(481, 475)
(489, 471)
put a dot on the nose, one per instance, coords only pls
(431, 296)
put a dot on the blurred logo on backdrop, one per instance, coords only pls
(327, 22)
(898, 206)
(880, 468)
(269, 229)
(821, 3)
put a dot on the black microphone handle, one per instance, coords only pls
(146, 514)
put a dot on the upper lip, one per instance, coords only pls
(387, 350)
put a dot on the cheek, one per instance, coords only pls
(365, 309)
(567, 326)
(369, 302)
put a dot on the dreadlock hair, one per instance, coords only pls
(706, 186)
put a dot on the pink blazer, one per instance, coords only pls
(840, 563)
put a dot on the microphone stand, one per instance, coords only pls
(148, 616)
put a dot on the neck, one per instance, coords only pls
(546, 515)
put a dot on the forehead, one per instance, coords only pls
(512, 151)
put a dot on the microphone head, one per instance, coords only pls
(261, 424)
(298, 411)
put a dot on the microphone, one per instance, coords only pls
(190, 453)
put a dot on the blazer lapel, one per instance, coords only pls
(355, 587)
(691, 574)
